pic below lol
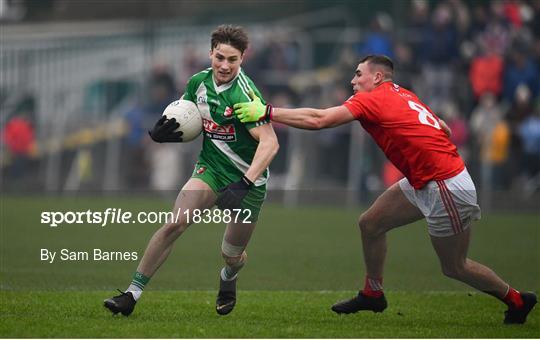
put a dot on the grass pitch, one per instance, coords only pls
(259, 314)
(301, 262)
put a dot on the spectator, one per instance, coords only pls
(535, 22)
(142, 167)
(486, 73)
(520, 110)
(378, 40)
(520, 69)
(19, 137)
(511, 11)
(521, 106)
(419, 20)
(529, 132)
(137, 169)
(479, 22)
(493, 138)
(278, 56)
(462, 16)
(408, 69)
(497, 32)
(440, 38)
(439, 54)
(164, 159)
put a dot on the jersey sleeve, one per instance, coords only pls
(247, 85)
(189, 92)
(361, 105)
(193, 84)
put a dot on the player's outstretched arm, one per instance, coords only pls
(303, 118)
(312, 119)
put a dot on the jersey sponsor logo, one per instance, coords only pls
(212, 130)
(406, 95)
(201, 170)
(202, 99)
(397, 88)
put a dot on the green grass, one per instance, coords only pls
(294, 254)
(259, 314)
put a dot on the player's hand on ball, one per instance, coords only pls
(252, 111)
(232, 195)
(163, 131)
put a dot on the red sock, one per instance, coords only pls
(373, 287)
(513, 298)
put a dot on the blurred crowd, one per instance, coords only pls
(476, 64)
(495, 111)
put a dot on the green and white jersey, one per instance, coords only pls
(228, 146)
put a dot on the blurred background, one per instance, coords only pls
(82, 81)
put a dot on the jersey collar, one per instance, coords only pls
(226, 86)
(384, 84)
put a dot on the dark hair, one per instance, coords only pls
(235, 36)
(380, 60)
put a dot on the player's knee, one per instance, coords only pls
(454, 271)
(175, 228)
(449, 272)
(368, 226)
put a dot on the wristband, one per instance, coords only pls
(269, 111)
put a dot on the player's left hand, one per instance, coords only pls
(252, 111)
(232, 195)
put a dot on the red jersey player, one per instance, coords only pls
(436, 186)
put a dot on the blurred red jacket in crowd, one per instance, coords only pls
(486, 74)
(18, 135)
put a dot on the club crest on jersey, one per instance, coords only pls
(201, 170)
(212, 130)
(228, 113)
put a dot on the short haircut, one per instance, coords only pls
(235, 36)
(382, 61)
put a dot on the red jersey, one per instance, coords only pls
(408, 132)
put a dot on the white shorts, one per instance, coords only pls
(449, 206)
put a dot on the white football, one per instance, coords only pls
(188, 116)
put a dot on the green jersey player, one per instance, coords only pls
(231, 171)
